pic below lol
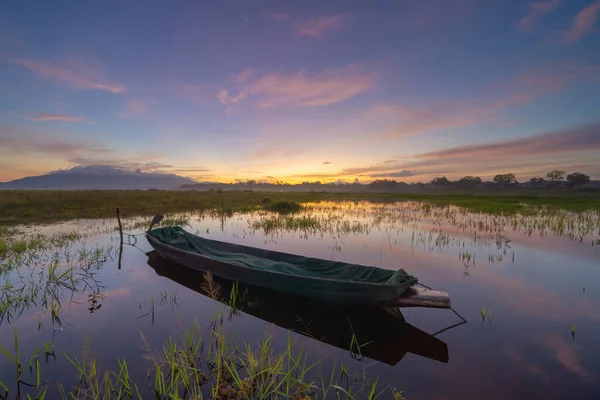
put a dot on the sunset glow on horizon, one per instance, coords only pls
(301, 91)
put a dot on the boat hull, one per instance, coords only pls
(383, 333)
(323, 289)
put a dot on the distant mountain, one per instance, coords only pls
(99, 177)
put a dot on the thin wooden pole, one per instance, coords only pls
(121, 236)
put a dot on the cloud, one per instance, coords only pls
(537, 9)
(567, 149)
(74, 73)
(119, 163)
(565, 354)
(398, 174)
(434, 13)
(277, 150)
(564, 141)
(245, 75)
(194, 92)
(316, 26)
(269, 90)
(183, 170)
(310, 27)
(327, 162)
(583, 23)
(418, 120)
(224, 98)
(60, 118)
(528, 366)
(551, 78)
(311, 90)
(447, 114)
(24, 142)
(277, 16)
(442, 114)
(129, 165)
(135, 108)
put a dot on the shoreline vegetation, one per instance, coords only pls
(195, 363)
(45, 206)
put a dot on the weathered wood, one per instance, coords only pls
(421, 297)
(121, 236)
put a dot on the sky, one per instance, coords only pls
(301, 90)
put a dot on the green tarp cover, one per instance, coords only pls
(291, 264)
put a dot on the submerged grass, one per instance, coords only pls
(200, 364)
(41, 271)
(52, 205)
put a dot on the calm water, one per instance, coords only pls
(536, 276)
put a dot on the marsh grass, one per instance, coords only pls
(50, 205)
(194, 363)
(48, 271)
(283, 206)
(197, 364)
(431, 227)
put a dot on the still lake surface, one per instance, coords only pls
(528, 285)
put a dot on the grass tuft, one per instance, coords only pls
(284, 207)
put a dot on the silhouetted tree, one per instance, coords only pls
(469, 180)
(537, 181)
(505, 179)
(382, 184)
(577, 178)
(440, 181)
(556, 175)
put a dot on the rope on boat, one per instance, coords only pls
(425, 286)
(462, 322)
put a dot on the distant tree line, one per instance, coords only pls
(560, 177)
(554, 178)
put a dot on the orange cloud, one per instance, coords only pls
(76, 74)
(583, 23)
(60, 118)
(537, 9)
(318, 25)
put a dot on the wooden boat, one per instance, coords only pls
(293, 274)
(382, 333)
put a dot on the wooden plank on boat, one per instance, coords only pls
(421, 297)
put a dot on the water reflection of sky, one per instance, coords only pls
(526, 348)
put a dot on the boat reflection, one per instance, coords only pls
(382, 334)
